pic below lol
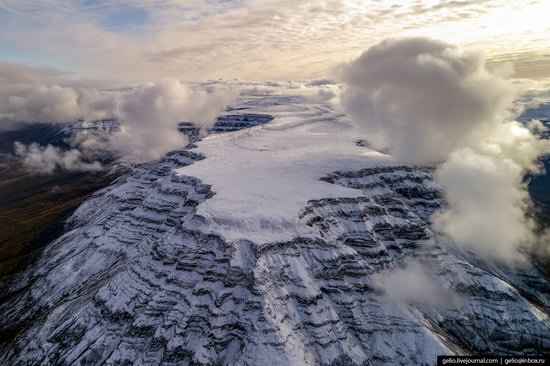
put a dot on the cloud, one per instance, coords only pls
(148, 113)
(256, 39)
(55, 103)
(321, 91)
(319, 82)
(412, 284)
(151, 112)
(429, 102)
(487, 203)
(422, 98)
(35, 94)
(49, 159)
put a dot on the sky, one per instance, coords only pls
(144, 40)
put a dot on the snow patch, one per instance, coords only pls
(265, 175)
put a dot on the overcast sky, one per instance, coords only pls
(256, 39)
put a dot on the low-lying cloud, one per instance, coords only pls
(50, 159)
(315, 90)
(429, 102)
(412, 284)
(487, 195)
(55, 103)
(148, 113)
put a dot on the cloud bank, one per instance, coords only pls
(49, 159)
(148, 113)
(316, 90)
(151, 112)
(429, 102)
(55, 103)
(423, 99)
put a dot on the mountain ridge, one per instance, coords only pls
(142, 277)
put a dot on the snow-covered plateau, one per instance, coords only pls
(290, 242)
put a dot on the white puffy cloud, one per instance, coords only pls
(487, 203)
(49, 159)
(34, 94)
(428, 102)
(149, 113)
(44, 103)
(487, 195)
(422, 98)
(413, 284)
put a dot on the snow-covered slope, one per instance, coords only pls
(275, 245)
(264, 176)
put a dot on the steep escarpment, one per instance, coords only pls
(494, 304)
(134, 283)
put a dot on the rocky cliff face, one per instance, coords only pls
(225, 123)
(136, 280)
